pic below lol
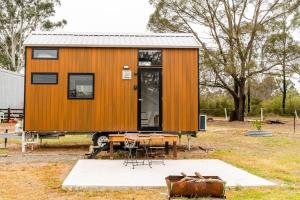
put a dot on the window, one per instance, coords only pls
(81, 86)
(44, 78)
(45, 53)
(150, 58)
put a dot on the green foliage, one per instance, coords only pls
(257, 124)
(19, 18)
(273, 105)
(214, 104)
(256, 105)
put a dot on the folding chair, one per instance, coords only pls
(132, 146)
(157, 148)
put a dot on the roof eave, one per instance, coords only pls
(112, 46)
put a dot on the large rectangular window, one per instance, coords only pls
(150, 58)
(81, 86)
(45, 53)
(44, 78)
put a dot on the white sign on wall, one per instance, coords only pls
(126, 74)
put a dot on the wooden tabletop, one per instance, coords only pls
(167, 138)
(134, 136)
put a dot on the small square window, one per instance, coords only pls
(44, 78)
(81, 86)
(45, 53)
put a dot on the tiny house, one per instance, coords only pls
(104, 83)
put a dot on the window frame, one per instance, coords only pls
(79, 73)
(44, 48)
(44, 73)
(150, 49)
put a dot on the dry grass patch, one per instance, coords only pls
(275, 158)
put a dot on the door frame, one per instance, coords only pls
(147, 69)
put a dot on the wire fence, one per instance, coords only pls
(261, 113)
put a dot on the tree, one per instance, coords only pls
(17, 19)
(232, 35)
(282, 46)
(264, 88)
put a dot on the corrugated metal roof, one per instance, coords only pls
(141, 40)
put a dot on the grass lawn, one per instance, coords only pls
(275, 158)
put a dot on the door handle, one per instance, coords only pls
(140, 99)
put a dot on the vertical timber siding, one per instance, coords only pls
(180, 89)
(114, 107)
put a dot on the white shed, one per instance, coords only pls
(11, 89)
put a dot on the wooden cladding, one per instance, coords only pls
(180, 89)
(114, 107)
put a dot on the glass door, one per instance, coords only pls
(149, 99)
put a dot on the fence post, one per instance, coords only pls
(225, 114)
(5, 139)
(23, 142)
(295, 122)
(261, 114)
(296, 114)
(8, 114)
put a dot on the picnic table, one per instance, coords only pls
(167, 138)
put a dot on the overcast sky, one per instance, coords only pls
(125, 16)
(105, 15)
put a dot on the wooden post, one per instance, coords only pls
(189, 141)
(296, 114)
(5, 139)
(111, 149)
(226, 117)
(174, 149)
(179, 138)
(23, 142)
(294, 122)
(261, 114)
(8, 114)
(167, 148)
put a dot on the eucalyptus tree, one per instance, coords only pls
(17, 19)
(284, 49)
(232, 33)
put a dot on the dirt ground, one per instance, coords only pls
(39, 174)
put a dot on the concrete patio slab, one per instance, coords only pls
(112, 174)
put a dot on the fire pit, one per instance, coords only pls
(195, 186)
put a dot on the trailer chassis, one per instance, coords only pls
(35, 137)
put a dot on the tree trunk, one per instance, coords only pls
(249, 98)
(239, 103)
(284, 84)
(242, 101)
(13, 55)
(284, 88)
(233, 114)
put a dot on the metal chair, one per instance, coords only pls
(133, 147)
(155, 150)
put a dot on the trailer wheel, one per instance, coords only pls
(101, 140)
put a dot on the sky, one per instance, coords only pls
(109, 16)
(130, 16)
